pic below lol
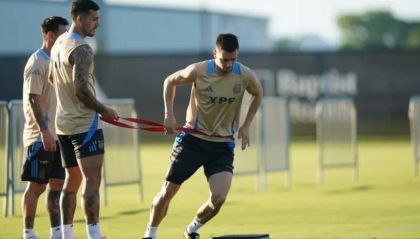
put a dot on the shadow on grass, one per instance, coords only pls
(360, 188)
(82, 221)
(132, 212)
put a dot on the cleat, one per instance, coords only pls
(193, 235)
(147, 238)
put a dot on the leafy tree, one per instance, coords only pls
(286, 44)
(378, 30)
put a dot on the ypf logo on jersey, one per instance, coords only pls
(221, 100)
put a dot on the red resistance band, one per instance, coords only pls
(151, 126)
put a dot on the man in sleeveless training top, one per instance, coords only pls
(42, 166)
(218, 86)
(77, 123)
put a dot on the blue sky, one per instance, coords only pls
(295, 18)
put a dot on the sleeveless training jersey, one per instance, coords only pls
(215, 102)
(36, 82)
(73, 117)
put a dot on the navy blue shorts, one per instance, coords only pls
(189, 153)
(79, 146)
(39, 165)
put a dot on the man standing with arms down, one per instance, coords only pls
(42, 165)
(77, 123)
(213, 116)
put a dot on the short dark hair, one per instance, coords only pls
(51, 24)
(227, 42)
(82, 7)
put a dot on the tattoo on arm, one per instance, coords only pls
(35, 102)
(82, 58)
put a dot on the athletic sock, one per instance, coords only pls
(56, 232)
(151, 232)
(29, 233)
(93, 230)
(67, 231)
(194, 226)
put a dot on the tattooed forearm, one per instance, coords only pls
(82, 58)
(53, 206)
(35, 102)
(85, 96)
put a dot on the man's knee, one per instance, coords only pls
(92, 188)
(167, 193)
(53, 200)
(93, 183)
(55, 184)
(73, 179)
(91, 197)
(35, 189)
(217, 201)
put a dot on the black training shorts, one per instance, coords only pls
(190, 153)
(39, 165)
(79, 146)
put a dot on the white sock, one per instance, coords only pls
(67, 231)
(151, 232)
(55, 232)
(29, 233)
(94, 231)
(194, 226)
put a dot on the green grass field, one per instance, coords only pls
(385, 203)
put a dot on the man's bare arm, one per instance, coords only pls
(37, 112)
(82, 58)
(36, 104)
(255, 89)
(181, 77)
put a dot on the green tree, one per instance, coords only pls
(286, 44)
(378, 30)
